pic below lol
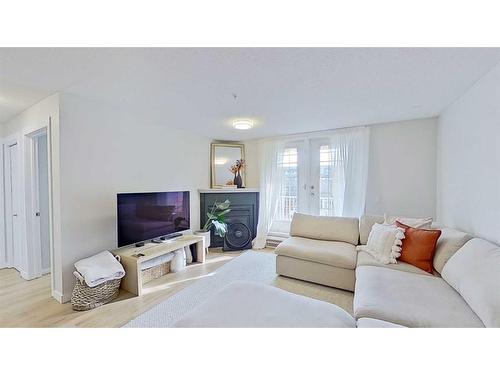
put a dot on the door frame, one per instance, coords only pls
(30, 259)
(34, 250)
(51, 126)
(3, 241)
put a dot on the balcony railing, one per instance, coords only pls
(288, 205)
(326, 206)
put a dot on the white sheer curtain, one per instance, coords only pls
(270, 186)
(348, 175)
(350, 149)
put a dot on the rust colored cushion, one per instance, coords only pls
(419, 246)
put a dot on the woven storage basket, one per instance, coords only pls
(155, 272)
(85, 297)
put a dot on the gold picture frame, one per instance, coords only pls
(222, 156)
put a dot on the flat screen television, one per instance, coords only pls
(145, 216)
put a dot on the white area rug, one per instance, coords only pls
(250, 266)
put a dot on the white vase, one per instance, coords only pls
(206, 235)
(178, 263)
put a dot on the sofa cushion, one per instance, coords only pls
(365, 226)
(318, 273)
(384, 243)
(450, 241)
(327, 228)
(365, 259)
(474, 272)
(245, 304)
(420, 223)
(419, 246)
(376, 323)
(410, 299)
(333, 253)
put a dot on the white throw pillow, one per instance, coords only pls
(384, 242)
(424, 223)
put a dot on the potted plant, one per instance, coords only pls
(216, 219)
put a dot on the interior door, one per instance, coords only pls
(13, 219)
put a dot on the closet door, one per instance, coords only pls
(12, 203)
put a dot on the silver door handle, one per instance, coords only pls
(15, 215)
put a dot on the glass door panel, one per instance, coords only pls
(324, 178)
(310, 181)
(288, 199)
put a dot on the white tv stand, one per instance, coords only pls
(132, 281)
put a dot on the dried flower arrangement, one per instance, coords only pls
(236, 169)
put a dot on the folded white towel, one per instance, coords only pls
(100, 268)
(189, 255)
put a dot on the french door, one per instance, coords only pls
(311, 180)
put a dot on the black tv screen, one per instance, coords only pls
(144, 216)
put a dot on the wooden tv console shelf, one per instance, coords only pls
(132, 281)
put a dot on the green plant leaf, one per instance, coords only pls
(217, 217)
(220, 229)
(224, 205)
(219, 214)
(211, 216)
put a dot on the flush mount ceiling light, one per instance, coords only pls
(243, 124)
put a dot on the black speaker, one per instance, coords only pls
(238, 237)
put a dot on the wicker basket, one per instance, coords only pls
(85, 297)
(155, 272)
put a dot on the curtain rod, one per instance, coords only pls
(308, 134)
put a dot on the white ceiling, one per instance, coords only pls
(285, 90)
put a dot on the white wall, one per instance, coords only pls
(402, 168)
(252, 163)
(105, 151)
(29, 121)
(469, 160)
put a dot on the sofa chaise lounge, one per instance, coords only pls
(464, 290)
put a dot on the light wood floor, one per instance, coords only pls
(29, 304)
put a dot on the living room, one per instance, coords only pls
(231, 185)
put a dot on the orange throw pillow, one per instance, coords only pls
(419, 246)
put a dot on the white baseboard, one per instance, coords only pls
(59, 297)
(25, 275)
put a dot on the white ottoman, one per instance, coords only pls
(376, 323)
(251, 305)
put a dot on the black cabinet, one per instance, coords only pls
(242, 220)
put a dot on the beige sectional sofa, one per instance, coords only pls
(464, 291)
(321, 250)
